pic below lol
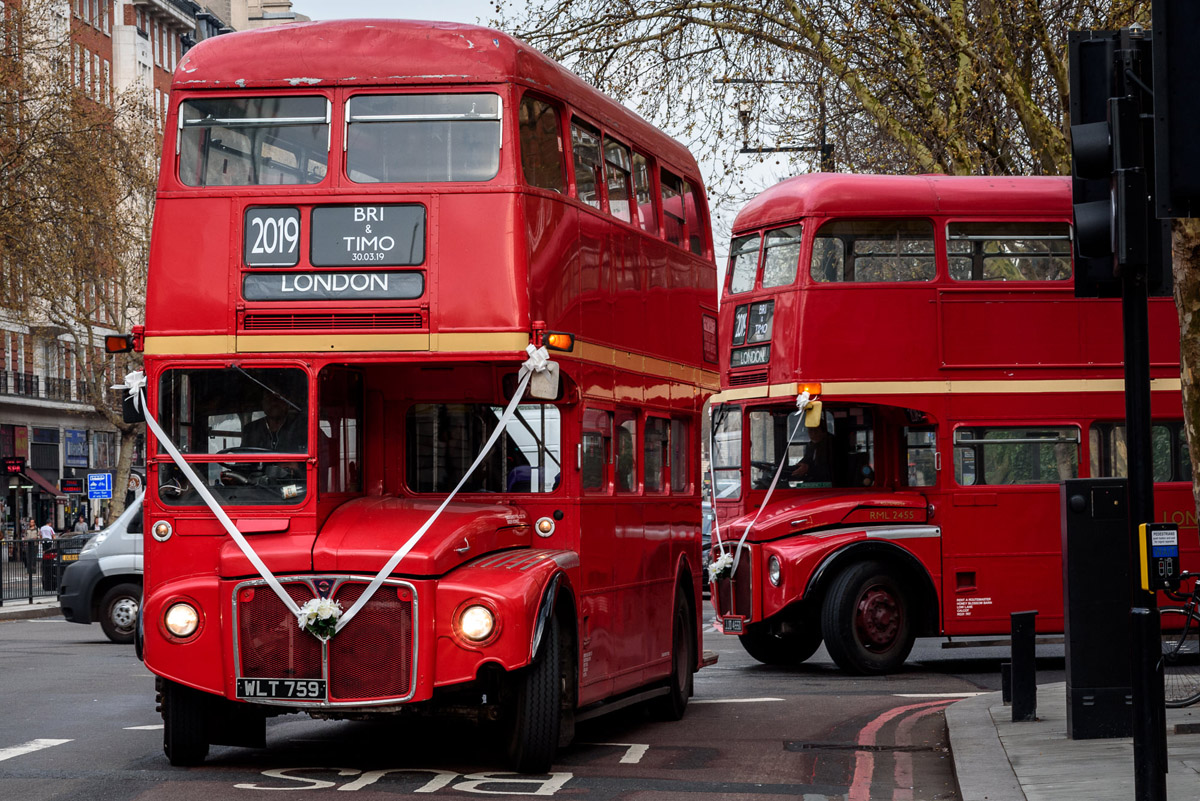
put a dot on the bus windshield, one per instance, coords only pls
(419, 138)
(246, 416)
(252, 141)
(444, 438)
(839, 452)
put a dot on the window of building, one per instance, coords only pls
(618, 171)
(541, 145)
(643, 186)
(1015, 454)
(595, 450)
(423, 138)
(873, 251)
(585, 145)
(1009, 251)
(1169, 451)
(781, 255)
(655, 454)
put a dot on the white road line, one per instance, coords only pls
(733, 700)
(28, 748)
(144, 728)
(935, 695)
(633, 751)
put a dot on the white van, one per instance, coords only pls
(105, 584)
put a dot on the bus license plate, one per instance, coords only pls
(732, 624)
(281, 688)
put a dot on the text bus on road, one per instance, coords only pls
(959, 382)
(360, 229)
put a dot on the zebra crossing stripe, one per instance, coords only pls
(28, 748)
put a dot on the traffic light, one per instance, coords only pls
(1176, 112)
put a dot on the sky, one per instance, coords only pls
(444, 10)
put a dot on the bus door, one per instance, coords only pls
(1001, 540)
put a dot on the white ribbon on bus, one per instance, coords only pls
(135, 383)
(802, 401)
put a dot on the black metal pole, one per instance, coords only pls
(1149, 716)
(1024, 666)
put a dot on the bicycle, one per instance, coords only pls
(1180, 637)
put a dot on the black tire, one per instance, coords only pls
(185, 733)
(784, 648)
(536, 719)
(119, 612)
(1180, 655)
(683, 664)
(866, 620)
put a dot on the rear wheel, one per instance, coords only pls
(1180, 655)
(119, 612)
(683, 661)
(789, 646)
(536, 713)
(867, 620)
(185, 736)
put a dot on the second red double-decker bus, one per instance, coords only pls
(365, 496)
(956, 381)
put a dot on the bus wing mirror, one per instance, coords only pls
(543, 384)
(812, 414)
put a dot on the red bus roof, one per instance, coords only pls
(841, 194)
(368, 52)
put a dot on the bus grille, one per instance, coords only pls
(745, 379)
(733, 595)
(373, 321)
(370, 659)
(272, 644)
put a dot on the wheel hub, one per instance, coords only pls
(878, 618)
(124, 614)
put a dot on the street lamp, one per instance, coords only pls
(745, 107)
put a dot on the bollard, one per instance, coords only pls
(1024, 670)
(1006, 683)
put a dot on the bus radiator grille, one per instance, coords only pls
(747, 379)
(737, 602)
(371, 657)
(374, 321)
(271, 644)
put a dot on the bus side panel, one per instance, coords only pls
(599, 552)
(550, 227)
(193, 295)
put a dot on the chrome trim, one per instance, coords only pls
(908, 533)
(338, 580)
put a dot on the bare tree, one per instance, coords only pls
(75, 209)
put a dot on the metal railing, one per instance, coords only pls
(58, 388)
(29, 569)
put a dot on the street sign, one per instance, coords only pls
(99, 486)
(71, 486)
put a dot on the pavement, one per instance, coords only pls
(996, 759)
(22, 609)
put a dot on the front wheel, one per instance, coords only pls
(683, 664)
(784, 648)
(185, 732)
(119, 612)
(535, 718)
(867, 620)
(1180, 655)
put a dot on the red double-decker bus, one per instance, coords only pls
(956, 381)
(362, 231)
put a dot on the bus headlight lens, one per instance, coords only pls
(774, 571)
(182, 620)
(477, 623)
(161, 531)
(544, 526)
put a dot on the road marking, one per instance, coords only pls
(144, 728)
(940, 695)
(864, 761)
(633, 751)
(733, 700)
(28, 748)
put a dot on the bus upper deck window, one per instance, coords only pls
(743, 263)
(781, 255)
(672, 203)
(870, 251)
(423, 138)
(620, 184)
(253, 141)
(541, 145)
(695, 227)
(644, 187)
(1009, 251)
(585, 144)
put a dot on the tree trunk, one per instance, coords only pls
(124, 463)
(1185, 263)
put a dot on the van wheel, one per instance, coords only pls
(790, 647)
(119, 612)
(185, 735)
(683, 664)
(867, 620)
(536, 712)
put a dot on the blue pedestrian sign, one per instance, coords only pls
(99, 486)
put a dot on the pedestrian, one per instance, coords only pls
(99, 522)
(30, 545)
(80, 525)
(46, 532)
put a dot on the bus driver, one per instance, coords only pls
(280, 430)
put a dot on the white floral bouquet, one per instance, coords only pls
(721, 567)
(319, 617)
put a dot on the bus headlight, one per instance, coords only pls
(161, 531)
(544, 526)
(774, 571)
(476, 623)
(182, 620)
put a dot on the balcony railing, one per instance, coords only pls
(58, 389)
(25, 384)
